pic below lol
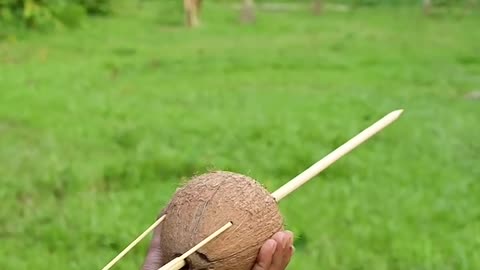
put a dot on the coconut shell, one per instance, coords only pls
(207, 203)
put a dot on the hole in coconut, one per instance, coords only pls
(203, 256)
(187, 262)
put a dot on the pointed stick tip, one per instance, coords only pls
(397, 113)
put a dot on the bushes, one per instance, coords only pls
(95, 7)
(48, 13)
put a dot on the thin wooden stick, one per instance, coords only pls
(292, 185)
(175, 264)
(321, 165)
(134, 243)
(179, 262)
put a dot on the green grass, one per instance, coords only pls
(98, 126)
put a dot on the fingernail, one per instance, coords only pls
(285, 240)
(271, 244)
(292, 250)
(290, 235)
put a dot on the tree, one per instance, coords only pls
(427, 7)
(192, 12)
(248, 11)
(317, 7)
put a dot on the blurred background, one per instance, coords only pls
(106, 107)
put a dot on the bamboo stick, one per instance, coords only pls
(301, 179)
(134, 243)
(179, 262)
(325, 162)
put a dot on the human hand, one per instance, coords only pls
(275, 254)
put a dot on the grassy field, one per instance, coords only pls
(98, 126)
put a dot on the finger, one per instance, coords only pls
(281, 257)
(265, 256)
(290, 250)
(290, 234)
(288, 256)
(153, 261)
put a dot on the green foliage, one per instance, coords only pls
(98, 7)
(50, 13)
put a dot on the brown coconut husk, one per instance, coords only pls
(208, 202)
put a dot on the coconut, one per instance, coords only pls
(205, 204)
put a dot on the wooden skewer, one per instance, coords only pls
(134, 243)
(321, 165)
(179, 262)
(175, 264)
(292, 185)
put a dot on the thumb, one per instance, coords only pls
(265, 256)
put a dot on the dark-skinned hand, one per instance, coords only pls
(275, 254)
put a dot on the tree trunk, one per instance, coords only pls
(192, 11)
(248, 11)
(317, 7)
(427, 7)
